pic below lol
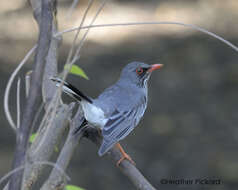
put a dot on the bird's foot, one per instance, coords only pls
(127, 157)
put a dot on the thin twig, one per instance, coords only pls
(76, 55)
(78, 31)
(27, 81)
(72, 7)
(37, 116)
(9, 84)
(18, 102)
(86, 33)
(156, 23)
(35, 163)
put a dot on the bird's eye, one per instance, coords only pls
(139, 70)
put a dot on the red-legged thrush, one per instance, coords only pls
(119, 108)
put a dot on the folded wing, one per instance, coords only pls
(118, 126)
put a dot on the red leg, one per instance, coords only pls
(124, 155)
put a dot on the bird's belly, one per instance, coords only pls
(94, 115)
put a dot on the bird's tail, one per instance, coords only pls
(105, 146)
(71, 90)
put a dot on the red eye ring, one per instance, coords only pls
(139, 70)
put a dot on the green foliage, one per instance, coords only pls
(73, 187)
(56, 149)
(32, 137)
(76, 70)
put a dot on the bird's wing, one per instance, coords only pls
(119, 125)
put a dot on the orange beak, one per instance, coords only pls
(155, 67)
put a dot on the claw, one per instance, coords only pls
(124, 156)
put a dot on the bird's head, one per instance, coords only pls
(138, 72)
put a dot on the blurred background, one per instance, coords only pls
(189, 130)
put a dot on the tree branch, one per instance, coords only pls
(49, 88)
(18, 102)
(128, 169)
(56, 180)
(43, 146)
(194, 27)
(35, 89)
(36, 163)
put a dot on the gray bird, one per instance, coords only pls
(119, 108)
